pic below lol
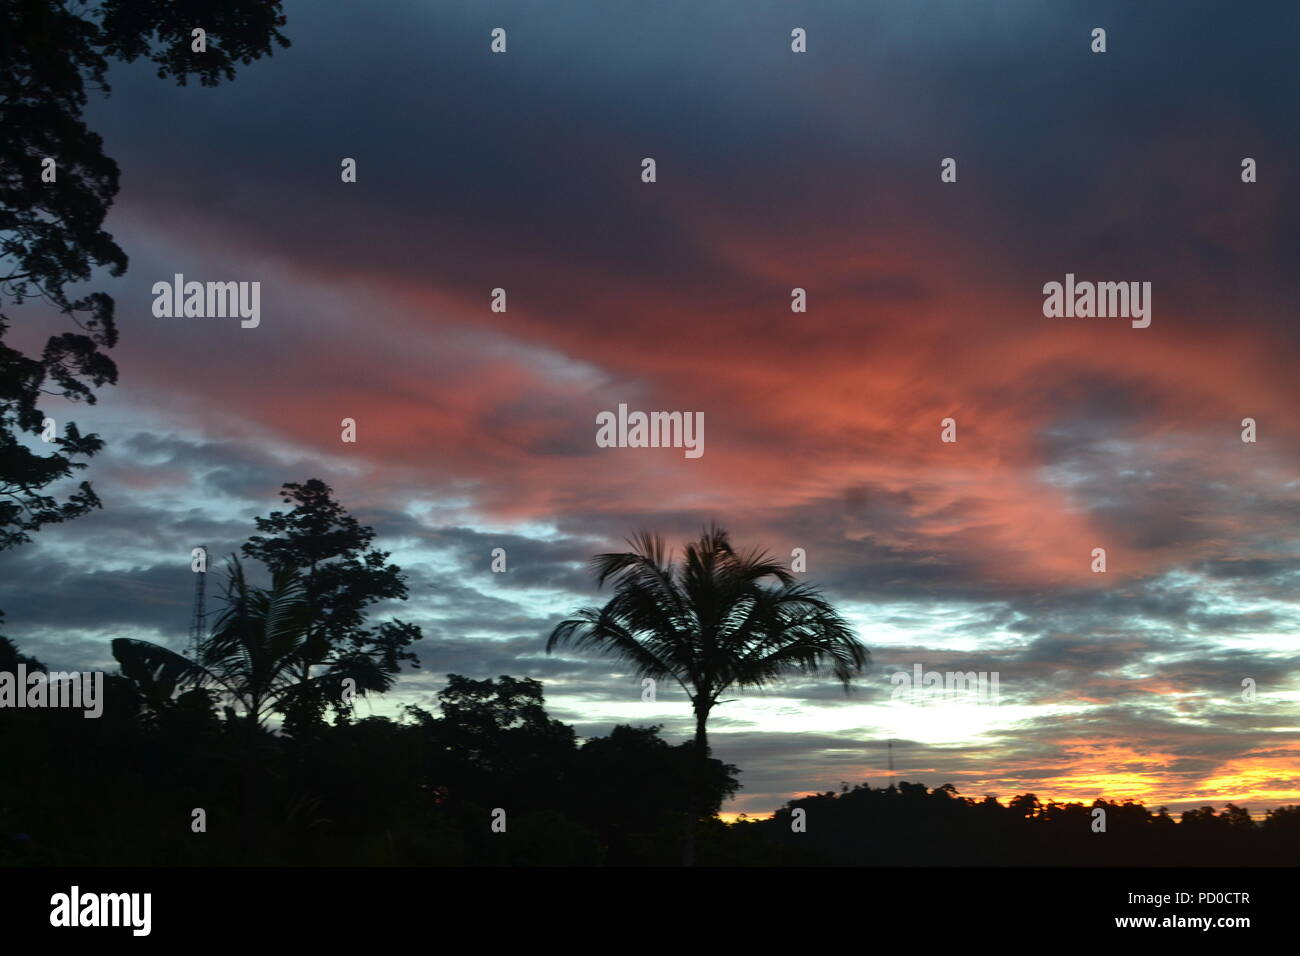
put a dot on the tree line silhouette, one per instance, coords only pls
(910, 825)
(256, 729)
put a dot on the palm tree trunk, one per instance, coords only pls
(695, 786)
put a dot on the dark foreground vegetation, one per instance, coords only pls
(246, 750)
(122, 790)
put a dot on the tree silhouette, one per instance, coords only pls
(255, 654)
(51, 233)
(341, 577)
(711, 623)
(630, 787)
(496, 745)
(419, 792)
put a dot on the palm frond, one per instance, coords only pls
(158, 673)
(719, 619)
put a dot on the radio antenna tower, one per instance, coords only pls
(891, 762)
(199, 616)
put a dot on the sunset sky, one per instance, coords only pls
(476, 429)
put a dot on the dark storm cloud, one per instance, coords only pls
(445, 212)
(1175, 609)
(1042, 123)
(1250, 569)
(526, 166)
(530, 562)
(482, 659)
(1221, 673)
(463, 609)
(45, 597)
(239, 470)
(165, 494)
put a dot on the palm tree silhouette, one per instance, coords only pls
(257, 653)
(712, 623)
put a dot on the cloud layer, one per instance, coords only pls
(775, 171)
